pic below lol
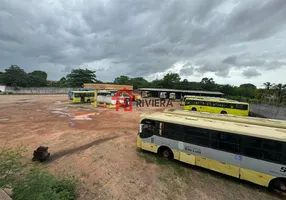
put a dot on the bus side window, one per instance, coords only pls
(226, 141)
(173, 131)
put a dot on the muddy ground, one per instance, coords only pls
(101, 151)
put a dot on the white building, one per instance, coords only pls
(2, 88)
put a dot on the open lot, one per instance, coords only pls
(101, 151)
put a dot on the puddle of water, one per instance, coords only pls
(83, 116)
(57, 109)
(61, 113)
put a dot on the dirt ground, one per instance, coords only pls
(101, 151)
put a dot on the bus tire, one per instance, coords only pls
(223, 112)
(166, 152)
(88, 101)
(194, 109)
(278, 185)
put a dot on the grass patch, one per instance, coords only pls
(178, 168)
(32, 183)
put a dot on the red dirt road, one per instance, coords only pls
(101, 151)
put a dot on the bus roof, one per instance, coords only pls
(232, 118)
(83, 91)
(216, 100)
(220, 125)
(202, 97)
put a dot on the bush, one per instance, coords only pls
(11, 165)
(32, 184)
(41, 185)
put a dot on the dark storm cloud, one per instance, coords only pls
(249, 73)
(138, 38)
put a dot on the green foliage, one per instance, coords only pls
(41, 185)
(138, 82)
(63, 82)
(171, 80)
(122, 80)
(15, 76)
(11, 165)
(39, 73)
(208, 84)
(268, 85)
(36, 81)
(80, 76)
(33, 184)
(1, 78)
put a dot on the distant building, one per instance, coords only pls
(177, 94)
(108, 86)
(2, 88)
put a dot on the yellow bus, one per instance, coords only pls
(81, 96)
(249, 152)
(232, 118)
(200, 97)
(212, 105)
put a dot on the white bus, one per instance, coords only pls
(250, 152)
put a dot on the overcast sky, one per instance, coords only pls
(233, 42)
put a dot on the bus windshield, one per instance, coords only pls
(70, 94)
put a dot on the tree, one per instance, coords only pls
(157, 83)
(170, 80)
(248, 90)
(39, 73)
(1, 78)
(37, 79)
(208, 84)
(138, 82)
(279, 87)
(268, 85)
(184, 85)
(80, 76)
(122, 80)
(227, 89)
(62, 82)
(15, 76)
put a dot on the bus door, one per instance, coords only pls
(82, 96)
(203, 106)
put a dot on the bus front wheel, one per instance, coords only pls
(223, 112)
(165, 152)
(194, 109)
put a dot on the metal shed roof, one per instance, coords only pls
(184, 91)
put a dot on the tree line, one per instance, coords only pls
(17, 77)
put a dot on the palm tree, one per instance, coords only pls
(268, 85)
(279, 87)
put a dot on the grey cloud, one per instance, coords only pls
(221, 70)
(242, 62)
(249, 73)
(232, 60)
(138, 38)
(187, 70)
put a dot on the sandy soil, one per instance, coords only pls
(101, 151)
